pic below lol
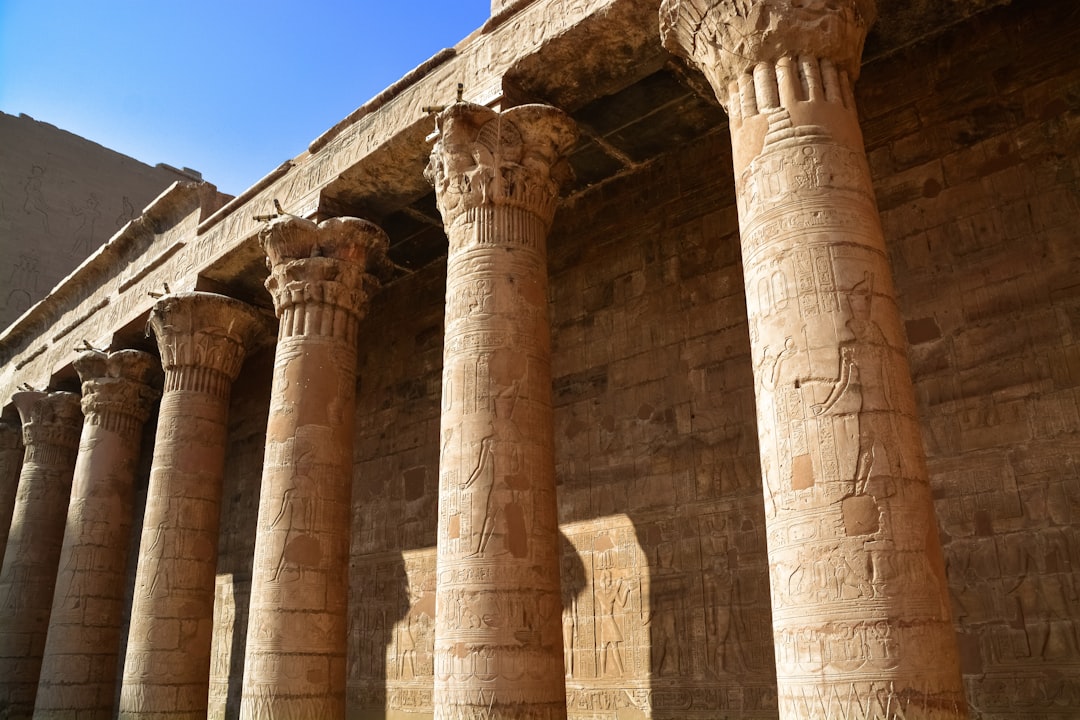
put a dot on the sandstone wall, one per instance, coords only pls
(974, 142)
(61, 196)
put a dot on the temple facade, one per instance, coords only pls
(681, 359)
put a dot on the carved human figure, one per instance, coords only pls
(34, 196)
(496, 178)
(87, 607)
(840, 451)
(569, 629)
(203, 339)
(51, 422)
(863, 387)
(321, 279)
(612, 597)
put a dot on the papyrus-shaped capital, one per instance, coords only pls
(338, 262)
(117, 383)
(516, 158)
(49, 418)
(203, 331)
(727, 39)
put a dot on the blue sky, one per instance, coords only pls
(230, 88)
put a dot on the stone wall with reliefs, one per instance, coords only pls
(977, 173)
(62, 196)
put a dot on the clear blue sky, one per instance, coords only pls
(231, 88)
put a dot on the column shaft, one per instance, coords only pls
(202, 338)
(79, 665)
(297, 635)
(498, 629)
(11, 455)
(51, 423)
(861, 616)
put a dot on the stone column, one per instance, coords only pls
(78, 672)
(860, 602)
(11, 455)
(51, 423)
(321, 277)
(498, 629)
(202, 338)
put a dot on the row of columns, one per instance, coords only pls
(843, 471)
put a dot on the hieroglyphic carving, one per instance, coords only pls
(84, 629)
(860, 613)
(669, 621)
(391, 631)
(202, 339)
(498, 640)
(321, 277)
(51, 423)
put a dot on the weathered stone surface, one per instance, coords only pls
(202, 338)
(50, 427)
(79, 664)
(11, 455)
(498, 646)
(321, 278)
(859, 594)
(62, 196)
(728, 41)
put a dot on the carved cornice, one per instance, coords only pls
(726, 39)
(335, 265)
(515, 158)
(49, 419)
(116, 387)
(202, 338)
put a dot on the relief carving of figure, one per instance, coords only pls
(298, 512)
(500, 476)
(612, 596)
(569, 632)
(863, 388)
(84, 235)
(34, 201)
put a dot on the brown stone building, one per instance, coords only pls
(61, 197)
(702, 361)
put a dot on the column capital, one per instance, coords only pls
(335, 263)
(205, 333)
(726, 39)
(486, 158)
(116, 387)
(49, 418)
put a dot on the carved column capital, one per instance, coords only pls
(727, 39)
(334, 265)
(116, 388)
(51, 419)
(485, 158)
(202, 338)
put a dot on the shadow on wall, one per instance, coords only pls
(383, 625)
